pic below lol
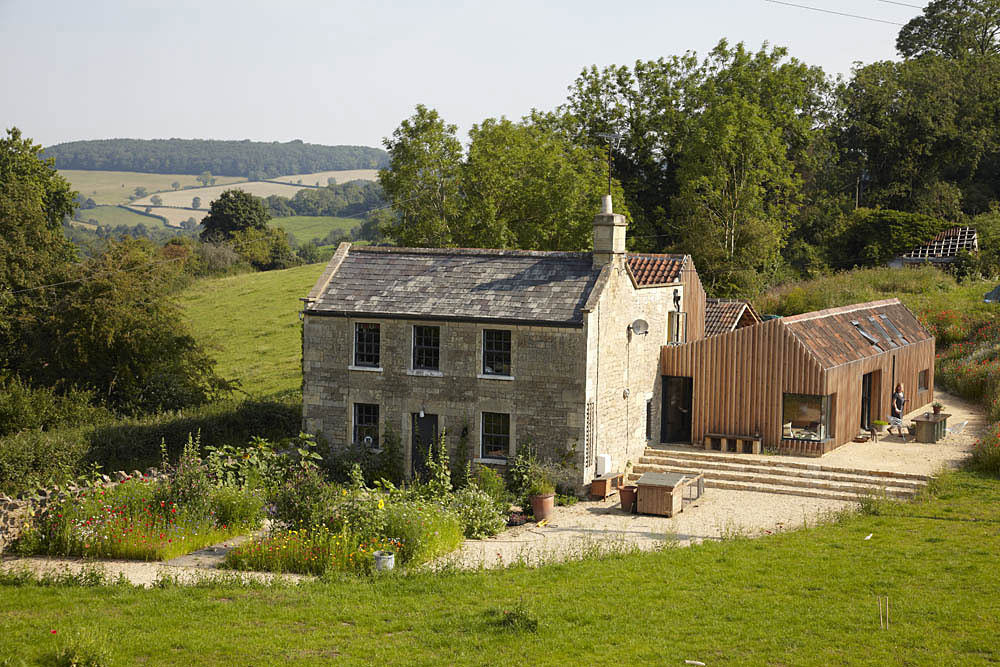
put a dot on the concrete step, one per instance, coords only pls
(781, 461)
(711, 467)
(736, 485)
(762, 482)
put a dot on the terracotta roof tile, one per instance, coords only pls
(721, 315)
(655, 269)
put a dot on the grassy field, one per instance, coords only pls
(114, 216)
(800, 598)
(114, 187)
(306, 228)
(250, 324)
(176, 215)
(321, 177)
(184, 197)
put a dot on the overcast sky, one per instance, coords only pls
(348, 72)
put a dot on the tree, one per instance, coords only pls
(421, 182)
(156, 200)
(34, 200)
(205, 178)
(952, 28)
(196, 202)
(737, 191)
(176, 185)
(526, 185)
(233, 211)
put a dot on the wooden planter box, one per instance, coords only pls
(663, 493)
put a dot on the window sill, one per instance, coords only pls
(420, 372)
(485, 376)
(494, 462)
(368, 369)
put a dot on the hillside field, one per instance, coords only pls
(321, 177)
(114, 187)
(306, 228)
(114, 216)
(250, 324)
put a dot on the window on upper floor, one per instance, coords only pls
(496, 352)
(426, 348)
(495, 436)
(676, 327)
(366, 425)
(367, 344)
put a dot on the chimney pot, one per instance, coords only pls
(606, 205)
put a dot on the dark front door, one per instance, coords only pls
(425, 433)
(866, 401)
(675, 417)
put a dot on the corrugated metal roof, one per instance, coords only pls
(650, 269)
(458, 283)
(841, 335)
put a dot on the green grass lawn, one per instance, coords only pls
(800, 598)
(114, 216)
(250, 324)
(306, 228)
(114, 187)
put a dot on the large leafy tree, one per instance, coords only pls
(34, 199)
(526, 185)
(952, 28)
(738, 189)
(232, 212)
(421, 181)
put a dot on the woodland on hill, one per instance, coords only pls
(255, 160)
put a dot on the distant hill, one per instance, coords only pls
(250, 159)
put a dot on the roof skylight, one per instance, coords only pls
(870, 338)
(895, 331)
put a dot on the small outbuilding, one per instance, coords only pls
(725, 315)
(804, 384)
(942, 249)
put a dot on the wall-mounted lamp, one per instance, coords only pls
(677, 299)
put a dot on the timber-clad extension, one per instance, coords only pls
(808, 383)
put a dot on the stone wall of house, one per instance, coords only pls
(620, 361)
(544, 397)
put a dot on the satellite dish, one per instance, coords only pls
(640, 327)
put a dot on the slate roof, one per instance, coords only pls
(946, 245)
(722, 315)
(456, 284)
(649, 269)
(833, 339)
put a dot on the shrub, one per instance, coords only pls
(481, 515)
(425, 530)
(315, 552)
(986, 453)
(489, 481)
(39, 458)
(304, 500)
(25, 407)
(232, 506)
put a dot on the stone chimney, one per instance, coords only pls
(609, 234)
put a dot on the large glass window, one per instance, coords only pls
(495, 435)
(366, 344)
(806, 417)
(496, 352)
(426, 348)
(366, 425)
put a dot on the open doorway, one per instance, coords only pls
(675, 416)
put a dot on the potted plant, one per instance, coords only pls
(385, 559)
(879, 425)
(541, 493)
(937, 405)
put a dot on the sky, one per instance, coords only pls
(348, 72)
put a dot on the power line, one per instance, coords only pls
(830, 11)
(901, 4)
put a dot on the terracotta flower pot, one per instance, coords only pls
(937, 409)
(627, 494)
(541, 506)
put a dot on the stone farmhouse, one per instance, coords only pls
(583, 354)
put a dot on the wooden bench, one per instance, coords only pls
(739, 444)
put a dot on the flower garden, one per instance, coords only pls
(313, 526)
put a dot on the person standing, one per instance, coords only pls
(896, 409)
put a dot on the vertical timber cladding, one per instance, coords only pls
(694, 300)
(739, 377)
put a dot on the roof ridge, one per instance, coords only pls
(498, 252)
(839, 310)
